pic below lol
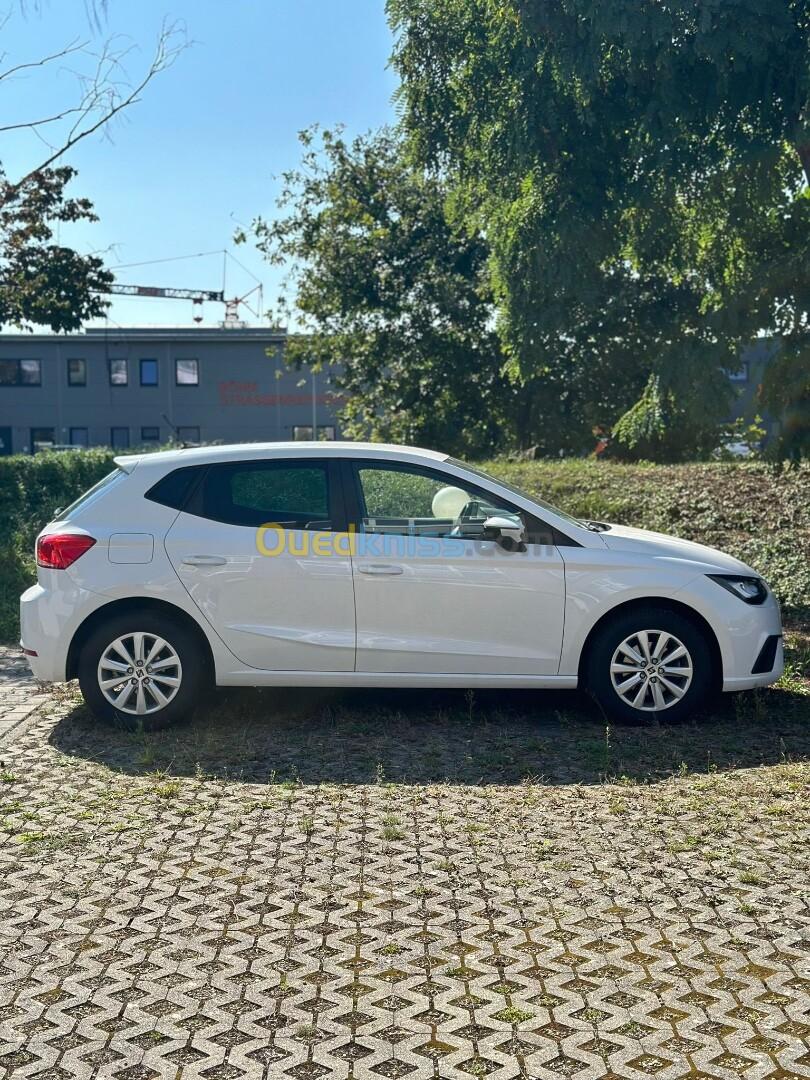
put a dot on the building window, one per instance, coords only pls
(79, 436)
(188, 434)
(119, 438)
(149, 372)
(187, 373)
(77, 371)
(42, 438)
(741, 374)
(303, 432)
(150, 434)
(119, 375)
(20, 373)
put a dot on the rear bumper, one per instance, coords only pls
(48, 620)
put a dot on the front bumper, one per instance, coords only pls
(742, 631)
(761, 678)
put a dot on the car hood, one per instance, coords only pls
(661, 546)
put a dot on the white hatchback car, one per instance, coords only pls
(346, 564)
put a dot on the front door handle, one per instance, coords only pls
(204, 560)
(379, 568)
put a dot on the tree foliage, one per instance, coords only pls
(642, 173)
(42, 282)
(383, 285)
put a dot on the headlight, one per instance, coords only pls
(750, 589)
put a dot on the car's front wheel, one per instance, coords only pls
(142, 669)
(649, 663)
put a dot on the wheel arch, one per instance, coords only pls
(133, 603)
(668, 604)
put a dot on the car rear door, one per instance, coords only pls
(249, 547)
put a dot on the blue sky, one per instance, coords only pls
(201, 153)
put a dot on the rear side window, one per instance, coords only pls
(175, 487)
(92, 493)
(255, 493)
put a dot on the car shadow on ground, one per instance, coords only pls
(424, 736)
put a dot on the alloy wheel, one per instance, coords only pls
(139, 673)
(651, 670)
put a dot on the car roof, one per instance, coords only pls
(204, 455)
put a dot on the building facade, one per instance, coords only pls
(135, 386)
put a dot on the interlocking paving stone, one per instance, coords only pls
(444, 886)
(19, 695)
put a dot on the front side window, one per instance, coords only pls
(413, 501)
(119, 438)
(187, 372)
(267, 492)
(20, 373)
(518, 491)
(119, 376)
(149, 372)
(76, 371)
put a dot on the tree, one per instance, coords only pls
(384, 286)
(42, 282)
(658, 154)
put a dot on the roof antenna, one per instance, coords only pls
(182, 443)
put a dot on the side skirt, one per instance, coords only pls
(255, 677)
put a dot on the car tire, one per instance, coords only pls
(179, 672)
(649, 664)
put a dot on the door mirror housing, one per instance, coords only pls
(509, 534)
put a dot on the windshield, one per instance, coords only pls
(516, 490)
(91, 493)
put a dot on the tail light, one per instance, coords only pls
(58, 551)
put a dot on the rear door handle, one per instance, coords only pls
(204, 560)
(379, 569)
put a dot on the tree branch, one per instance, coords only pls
(104, 96)
(803, 150)
(74, 46)
(40, 123)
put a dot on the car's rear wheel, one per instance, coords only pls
(650, 664)
(143, 670)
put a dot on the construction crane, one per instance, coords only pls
(197, 297)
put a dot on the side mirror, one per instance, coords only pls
(510, 534)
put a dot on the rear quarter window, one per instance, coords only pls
(175, 488)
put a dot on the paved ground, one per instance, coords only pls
(387, 885)
(19, 698)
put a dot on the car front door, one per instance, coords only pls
(433, 593)
(248, 548)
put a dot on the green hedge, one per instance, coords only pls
(31, 490)
(755, 511)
